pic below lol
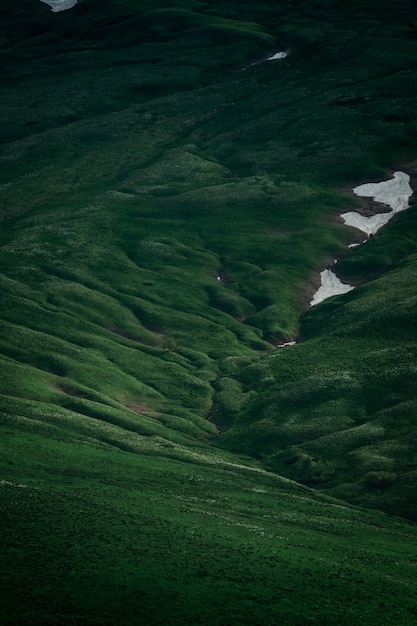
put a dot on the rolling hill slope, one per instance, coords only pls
(168, 197)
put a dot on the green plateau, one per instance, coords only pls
(168, 198)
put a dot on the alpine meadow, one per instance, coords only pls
(208, 350)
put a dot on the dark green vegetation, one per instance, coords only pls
(166, 209)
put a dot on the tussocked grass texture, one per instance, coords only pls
(168, 200)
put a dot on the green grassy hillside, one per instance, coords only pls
(337, 410)
(168, 197)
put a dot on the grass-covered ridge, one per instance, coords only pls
(168, 199)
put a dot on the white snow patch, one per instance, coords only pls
(330, 286)
(60, 5)
(394, 193)
(277, 55)
(368, 225)
(273, 57)
(287, 343)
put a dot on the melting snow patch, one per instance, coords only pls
(273, 57)
(394, 193)
(330, 286)
(277, 55)
(60, 5)
(287, 343)
(368, 225)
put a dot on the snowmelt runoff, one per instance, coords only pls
(394, 193)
